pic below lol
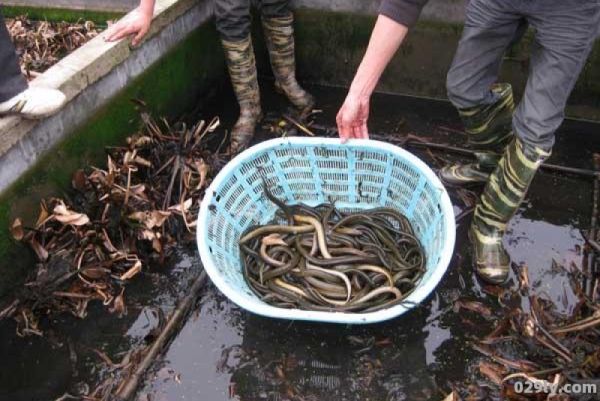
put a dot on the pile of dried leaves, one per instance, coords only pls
(40, 44)
(120, 218)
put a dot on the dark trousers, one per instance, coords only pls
(233, 16)
(12, 81)
(564, 35)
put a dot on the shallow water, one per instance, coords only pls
(64, 361)
(225, 353)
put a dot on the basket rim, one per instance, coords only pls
(415, 298)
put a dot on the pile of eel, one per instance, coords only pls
(323, 259)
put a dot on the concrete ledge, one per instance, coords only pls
(436, 10)
(89, 77)
(95, 5)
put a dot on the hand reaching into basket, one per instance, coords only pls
(136, 23)
(354, 113)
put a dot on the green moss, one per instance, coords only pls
(331, 46)
(176, 84)
(60, 14)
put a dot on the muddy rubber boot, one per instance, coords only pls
(242, 71)
(489, 130)
(500, 200)
(279, 35)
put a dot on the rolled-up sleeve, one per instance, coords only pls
(405, 12)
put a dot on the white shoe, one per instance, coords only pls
(34, 103)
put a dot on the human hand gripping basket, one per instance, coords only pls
(360, 174)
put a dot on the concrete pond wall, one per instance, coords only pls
(181, 64)
(178, 65)
(336, 34)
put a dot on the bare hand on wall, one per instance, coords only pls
(136, 24)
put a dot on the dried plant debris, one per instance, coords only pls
(118, 220)
(40, 44)
(533, 346)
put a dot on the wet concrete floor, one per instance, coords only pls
(225, 353)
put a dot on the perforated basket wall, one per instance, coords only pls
(357, 175)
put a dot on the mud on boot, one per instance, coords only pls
(489, 130)
(279, 35)
(242, 72)
(500, 200)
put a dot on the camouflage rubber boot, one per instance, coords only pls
(500, 200)
(488, 128)
(242, 71)
(279, 35)
(471, 173)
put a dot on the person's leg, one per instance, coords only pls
(12, 81)
(484, 106)
(563, 40)
(490, 26)
(233, 24)
(274, 8)
(15, 96)
(564, 36)
(278, 25)
(232, 19)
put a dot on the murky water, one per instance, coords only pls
(65, 360)
(225, 353)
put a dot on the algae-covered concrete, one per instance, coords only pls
(93, 5)
(90, 77)
(435, 10)
(99, 17)
(332, 43)
(172, 72)
(108, 66)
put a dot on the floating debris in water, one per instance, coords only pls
(535, 352)
(40, 44)
(119, 219)
(533, 346)
(327, 260)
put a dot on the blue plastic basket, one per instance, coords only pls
(357, 175)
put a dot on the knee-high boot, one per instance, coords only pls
(279, 35)
(500, 200)
(489, 130)
(242, 71)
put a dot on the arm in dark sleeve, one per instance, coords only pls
(405, 12)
